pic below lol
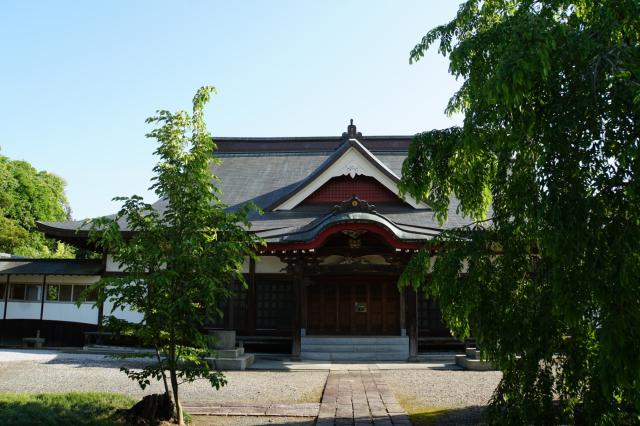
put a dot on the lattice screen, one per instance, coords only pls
(274, 304)
(342, 188)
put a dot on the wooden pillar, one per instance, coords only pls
(337, 287)
(412, 323)
(230, 322)
(403, 311)
(101, 306)
(44, 289)
(6, 298)
(298, 283)
(100, 313)
(383, 314)
(304, 308)
(352, 293)
(251, 295)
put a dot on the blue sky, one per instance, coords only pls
(79, 78)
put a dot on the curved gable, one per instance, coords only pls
(350, 159)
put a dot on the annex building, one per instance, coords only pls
(338, 236)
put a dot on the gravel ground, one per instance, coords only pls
(57, 372)
(461, 395)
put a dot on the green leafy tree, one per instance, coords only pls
(26, 196)
(178, 260)
(550, 147)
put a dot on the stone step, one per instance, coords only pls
(354, 340)
(354, 356)
(354, 348)
(242, 362)
(472, 353)
(227, 353)
(473, 364)
(117, 349)
(436, 358)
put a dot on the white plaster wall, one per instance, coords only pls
(66, 311)
(23, 279)
(112, 266)
(245, 265)
(270, 265)
(23, 310)
(126, 314)
(72, 279)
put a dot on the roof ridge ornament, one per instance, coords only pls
(354, 204)
(352, 132)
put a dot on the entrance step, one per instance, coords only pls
(351, 340)
(472, 353)
(471, 360)
(355, 348)
(229, 353)
(230, 359)
(350, 356)
(242, 362)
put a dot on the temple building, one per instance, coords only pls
(338, 236)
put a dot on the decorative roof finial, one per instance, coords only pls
(352, 132)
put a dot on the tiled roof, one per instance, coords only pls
(50, 267)
(266, 170)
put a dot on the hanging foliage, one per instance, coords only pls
(548, 151)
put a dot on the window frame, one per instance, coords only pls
(25, 292)
(76, 289)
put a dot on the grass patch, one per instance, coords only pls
(422, 415)
(71, 408)
(427, 416)
(418, 413)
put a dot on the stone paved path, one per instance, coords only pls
(359, 398)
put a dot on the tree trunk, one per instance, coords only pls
(164, 374)
(176, 398)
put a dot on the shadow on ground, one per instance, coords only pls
(455, 416)
(251, 421)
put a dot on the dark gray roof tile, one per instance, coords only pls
(50, 267)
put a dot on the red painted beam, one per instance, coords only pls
(320, 239)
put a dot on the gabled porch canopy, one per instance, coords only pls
(353, 215)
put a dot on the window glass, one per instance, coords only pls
(65, 293)
(52, 292)
(77, 291)
(92, 296)
(17, 292)
(33, 292)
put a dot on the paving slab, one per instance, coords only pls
(363, 398)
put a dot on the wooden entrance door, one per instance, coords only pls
(353, 305)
